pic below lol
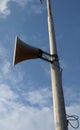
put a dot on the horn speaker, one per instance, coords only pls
(23, 51)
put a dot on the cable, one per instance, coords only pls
(73, 118)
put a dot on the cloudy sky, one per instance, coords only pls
(25, 90)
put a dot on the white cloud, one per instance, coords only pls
(6, 67)
(72, 95)
(73, 110)
(27, 118)
(14, 116)
(17, 116)
(6, 93)
(5, 10)
(8, 73)
(39, 97)
(7, 97)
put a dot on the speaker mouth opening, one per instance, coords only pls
(14, 61)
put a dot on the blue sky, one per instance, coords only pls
(25, 90)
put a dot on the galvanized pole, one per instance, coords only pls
(60, 120)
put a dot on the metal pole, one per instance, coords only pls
(56, 77)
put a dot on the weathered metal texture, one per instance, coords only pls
(56, 77)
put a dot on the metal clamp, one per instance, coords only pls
(47, 57)
(55, 56)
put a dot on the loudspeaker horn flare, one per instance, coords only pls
(23, 51)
